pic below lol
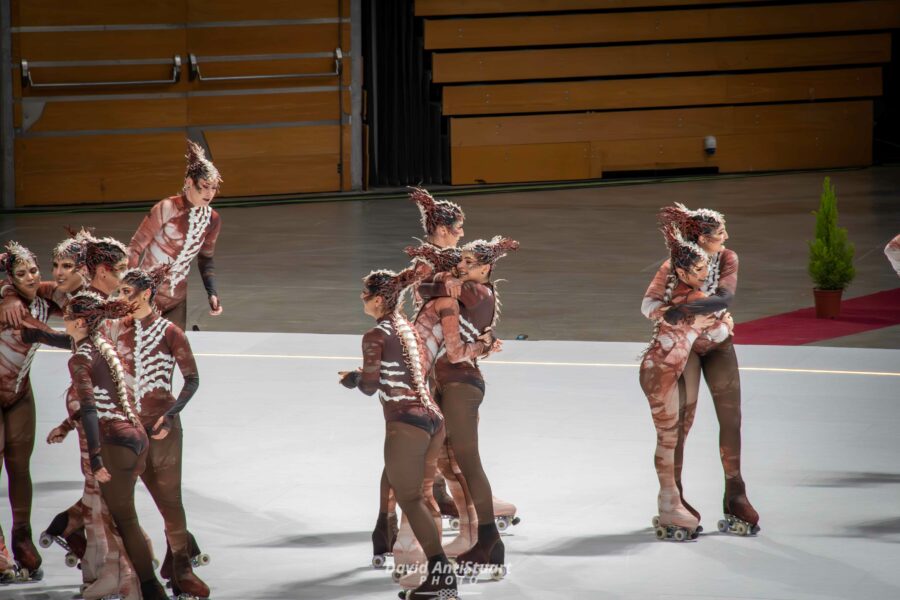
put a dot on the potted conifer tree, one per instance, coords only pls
(830, 256)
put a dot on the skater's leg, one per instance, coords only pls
(178, 314)
(124, 466)
(720, 368)
(688, 391)
(460, 407)
(462, 500)
(406, 448)
(19, 422)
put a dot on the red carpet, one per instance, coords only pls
(802, 327)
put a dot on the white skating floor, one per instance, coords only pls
(282, 468)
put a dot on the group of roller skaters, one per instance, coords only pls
(424, 368)
(124, 310)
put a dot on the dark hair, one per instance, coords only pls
(147, 280)
(389, 285)
(104, 251)
(489, 252)
(690, 223)
(15, 252)
(435, 212)
(94, 309)
(441, 259)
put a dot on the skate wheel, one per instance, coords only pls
(71, 560)
(378, 561)
(660, 533)
(397, 574)
(46, 540)
(655, 522)
(740, 529)
(723, 525)
(498, 572)
(202, 559)
(679, 535)
(454, 523)
(502, 523)
(516, 521)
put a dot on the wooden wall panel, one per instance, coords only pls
(98, 45)
(661, 91)
(564, 63)
(33, 13)
(669, 25)
(112, 168)
(241, 10)
(276, 39)
(102, 114)
(773, 137)
(265, 108)
(525, 162)
(447, 8)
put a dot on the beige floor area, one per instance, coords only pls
(587, 254)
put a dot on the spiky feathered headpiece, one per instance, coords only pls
(94, 309)
(684, 253)
(389, 285)
(199, 167)
(148, 280)
(691, 223)
(440, 259)
(489, 252)
(435, 212)
(103, 251)
(15, 252)
(73, 246)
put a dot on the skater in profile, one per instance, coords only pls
(394, 366)
(178, 229)
(717, 361)
(661, 369)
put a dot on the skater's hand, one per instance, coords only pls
(453, 287)
(702, 322)
(13, 311)
(102, 475)
(161, 428)
(56, 435)
(349, 379)
(729, 322)
(215, 306)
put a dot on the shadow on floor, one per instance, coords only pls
(338, 585)
(318, 540)
(596, 545)
(850, 479)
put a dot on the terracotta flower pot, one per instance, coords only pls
(828, 303)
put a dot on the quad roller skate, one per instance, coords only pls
(198, 558)
(675, 521)
(383, 538)
(740, 516)
(186, 585)
(73, 544)
(674, 532)
(505, 514)
(28, 561)
(440, 582)
(486, 556)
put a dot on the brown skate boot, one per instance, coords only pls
(488, 554)
(383, 538)
(26, 554)
(440, 583)
(184, 582)
(740, 516)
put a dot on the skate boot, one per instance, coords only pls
(152, 589)
(674, 520)
(740, 516)
(488, 554)
(26, 555)
(440, 583)
(383, 538)
(198, 558)
(186, 585)
(74, 543)
(690, 508)
(408, 554)
(505, 514)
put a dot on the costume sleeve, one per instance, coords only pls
(372, 349)
(181, 350)
(892, 251)
(653, 303)
(212, 235)
(144, 235)
(208, 274)
(457, 350)
(80, 370)
(56, 339)
(724, 294)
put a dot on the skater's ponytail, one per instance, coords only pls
(690, 223)
(106, 350)
(389, 285)
(435, 212)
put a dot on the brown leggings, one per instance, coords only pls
(17, 427)
(163, 479)
(178, 314)
(720, 369)
(410, 456)
(125, 466)
(459, 403)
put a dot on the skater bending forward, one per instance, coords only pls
(394, 367)
(661, 369)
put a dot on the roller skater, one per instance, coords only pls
(393, 366)
(717, 361)
(663, 363)
(178, 229)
